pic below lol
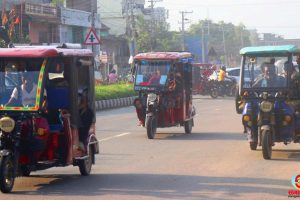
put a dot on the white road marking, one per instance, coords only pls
(115, 136)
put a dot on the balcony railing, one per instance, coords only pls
(41, 10)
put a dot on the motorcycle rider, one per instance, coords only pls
(221, 79)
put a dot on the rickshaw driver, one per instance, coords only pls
(268, 78)
(28, 88)
(155, 77)
(86, 116)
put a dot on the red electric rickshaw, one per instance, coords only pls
(55, 126)
(164, 83)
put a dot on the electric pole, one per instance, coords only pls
(93, 15)
(153, 24)
(183, 20)
(224, 44)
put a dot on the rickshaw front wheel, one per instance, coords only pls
(7, 177)
(266, 144)
(85, 165)
(151, 125)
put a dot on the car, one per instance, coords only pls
(235, 73)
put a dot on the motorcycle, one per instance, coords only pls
(226, 88)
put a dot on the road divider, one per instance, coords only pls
(114, 103)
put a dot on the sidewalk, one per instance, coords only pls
(114, 103)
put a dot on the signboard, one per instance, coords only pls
(91, 38)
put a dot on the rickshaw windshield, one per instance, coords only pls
(19, 82)
(264, 72)
(152, 73)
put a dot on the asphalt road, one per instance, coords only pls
(214, 162)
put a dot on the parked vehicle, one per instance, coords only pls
(270, 112)
(203, 81)
(164, 83)
(54, 124)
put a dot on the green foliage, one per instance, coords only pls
(236, 37)
(162, 39)
(114, 91)
(57, 2)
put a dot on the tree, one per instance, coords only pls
(158, 37)
(235, 37)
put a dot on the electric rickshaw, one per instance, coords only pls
(270, 100)
(164, 83)
(47, 112)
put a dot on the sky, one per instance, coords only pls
(281, 17)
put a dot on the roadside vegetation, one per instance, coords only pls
(114, 91)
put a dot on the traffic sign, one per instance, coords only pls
(91, 38)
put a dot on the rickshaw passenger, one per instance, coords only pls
(86, 116)
(28, 88)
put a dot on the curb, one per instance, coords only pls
(114, 103)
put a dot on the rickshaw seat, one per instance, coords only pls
(58, 97)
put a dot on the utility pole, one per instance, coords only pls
(183, 20)
(93, 15)
(153, 25)
(242, 37)
(224, 45)
(131, 26)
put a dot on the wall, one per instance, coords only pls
(34, 29)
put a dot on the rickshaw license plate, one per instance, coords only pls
(266, 106)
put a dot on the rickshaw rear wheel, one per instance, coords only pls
(253, 146)
(25, 170)
(188, 126)
(85, 165)
(266, 144)
(151, 125)
(7, 177)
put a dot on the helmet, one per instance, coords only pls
(223, 67)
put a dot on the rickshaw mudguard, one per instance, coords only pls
(265, 127)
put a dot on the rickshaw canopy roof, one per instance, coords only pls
(163, 56)
(269, 50)
(37, 52)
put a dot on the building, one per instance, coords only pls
(119, 17)
(43, 22)
(273, 39)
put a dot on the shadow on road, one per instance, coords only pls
(285, 155)
(157, 185)
(201, 136)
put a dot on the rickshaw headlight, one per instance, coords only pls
(152, 97)
(246, 118)
(266, 106)
(7, 124)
